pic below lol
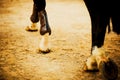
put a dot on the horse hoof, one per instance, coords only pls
(109, 69)
(43, 51)
(91, 64)
(85, 68)
(31, 29)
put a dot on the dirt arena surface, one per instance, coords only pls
(70, 42)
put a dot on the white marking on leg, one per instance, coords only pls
(99, 54)
(44, 43)
(32, 27)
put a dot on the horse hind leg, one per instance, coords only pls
(34, 19)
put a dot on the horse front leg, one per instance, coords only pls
(99, 59)
(45, 32)
(98, 54)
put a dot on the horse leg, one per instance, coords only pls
(105, 65)
(45, 31)
(34, 19)
(115, 22)
(99, 24)
(99, 59)
(115, 16)
(39, 14)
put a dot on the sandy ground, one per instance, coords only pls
(70, 42)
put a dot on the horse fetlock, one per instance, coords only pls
(99, 54)
(98, 51)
